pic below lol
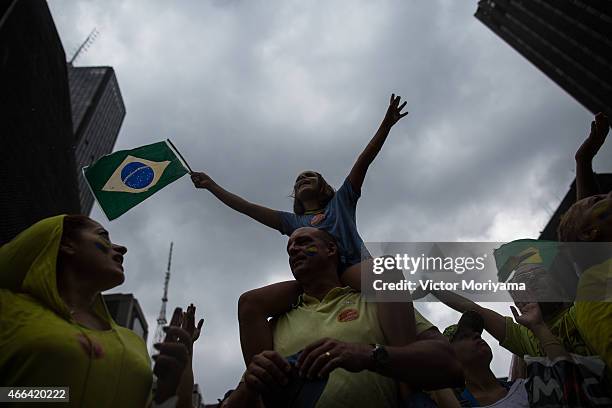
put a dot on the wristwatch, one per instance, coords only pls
(380, 356)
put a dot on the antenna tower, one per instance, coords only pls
(86, 44)
(161, 320)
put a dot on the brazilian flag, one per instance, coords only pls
(510, 256)
(124, 179)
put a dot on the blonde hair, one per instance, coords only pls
(572, 222)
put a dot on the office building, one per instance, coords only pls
(37, 170)
(97, 114)
(126, 311)
(568, 40)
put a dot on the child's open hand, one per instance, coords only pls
(189, 325)
(394, 112)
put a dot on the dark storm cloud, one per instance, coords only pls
(254, 92)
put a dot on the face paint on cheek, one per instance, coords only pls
(311, 250)
(104, 247)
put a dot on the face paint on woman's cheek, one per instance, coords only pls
(103, 246)
(311, 250)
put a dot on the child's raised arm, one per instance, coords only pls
(393, 115)
(586, 183)
(259, 213)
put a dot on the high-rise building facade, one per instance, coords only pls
(37, 177)
(569, 40)
(126, 311)
(97, 114)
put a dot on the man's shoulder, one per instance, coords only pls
(336, 300)
(346, 296)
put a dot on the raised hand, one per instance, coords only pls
(176, 320)
(171, 361)
(530, 317)
(201, 180)
(394, 111)
(599, 130)
(188, 323)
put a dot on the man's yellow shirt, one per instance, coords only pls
(344, 315)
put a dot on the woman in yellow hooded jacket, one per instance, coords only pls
(55, 329)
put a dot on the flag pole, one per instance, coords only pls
(180, 155)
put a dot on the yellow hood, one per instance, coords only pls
(28, 264)
(42, 345)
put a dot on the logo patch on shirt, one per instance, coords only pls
(317, 219)
(348, 314)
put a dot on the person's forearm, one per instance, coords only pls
(495, 323)
(586, 182)
(396, 320)
(242, 397)
(376, 143)
(425, 364)
(549, 343)
(254, 308)
(231, 200)
(259, 213)
(185, 387)
(455, 301)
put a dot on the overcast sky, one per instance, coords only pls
(253, 92)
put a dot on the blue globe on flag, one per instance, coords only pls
(137, 175)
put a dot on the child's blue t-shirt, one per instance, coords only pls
(338, 219)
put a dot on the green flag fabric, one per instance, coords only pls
(510, 256)
(124, 179)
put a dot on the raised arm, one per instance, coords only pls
(495, 323)
(173, 363)
(259, 213)
(586, 183)
(531, 318)
(360, 168)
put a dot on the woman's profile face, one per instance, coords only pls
(97, 260)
